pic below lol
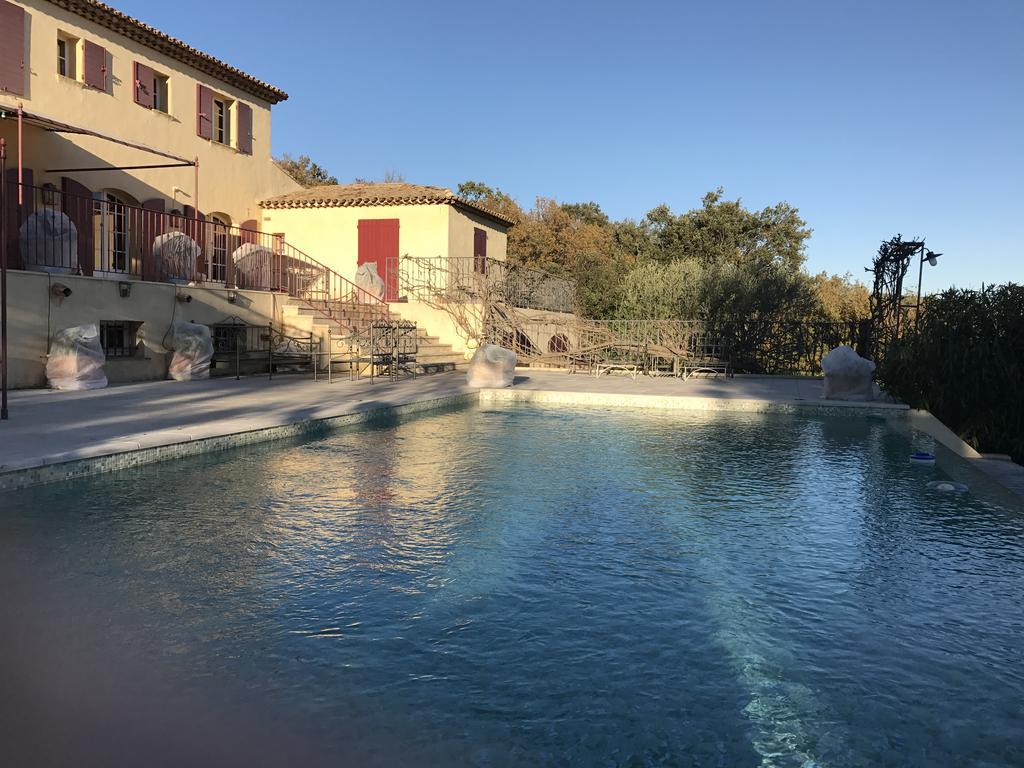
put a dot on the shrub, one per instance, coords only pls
(965, 364)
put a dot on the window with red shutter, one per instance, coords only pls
(95, 74)
(204, 111)
(145, 77)
(12, 48)
(244, 128)
(479, 251)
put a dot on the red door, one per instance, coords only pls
(378, 242)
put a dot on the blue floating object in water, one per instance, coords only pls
(948, 486)
(922, 457)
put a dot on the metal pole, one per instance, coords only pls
(920, 273)
(21, 181)
(3, 278)
(238, 346)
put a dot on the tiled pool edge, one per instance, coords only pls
(110, 458)
(688, 403)
(59, 468)
(1007, 474)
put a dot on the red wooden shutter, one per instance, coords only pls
(78, 205)
(11, 212)
(244, 128)
(196, 229)
(12, 48)
(152, 227)
(144, 77)
(95, 74)
(204, 111)
(479, 250)
(378, 242)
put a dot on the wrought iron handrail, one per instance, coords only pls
(60, 231)
(475, 279)
(752, 345)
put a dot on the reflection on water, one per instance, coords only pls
(520, 586)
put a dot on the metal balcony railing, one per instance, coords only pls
(59, 232)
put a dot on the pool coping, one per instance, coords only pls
(113, 455)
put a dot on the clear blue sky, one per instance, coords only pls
(871, 117)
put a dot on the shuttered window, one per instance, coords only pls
(12, 48)
(150, 88)
(244, 128)
(204, 112)
(222, 121)
(144, 77)
(479, 251)
(95, 66)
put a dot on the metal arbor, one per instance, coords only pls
(888, 309)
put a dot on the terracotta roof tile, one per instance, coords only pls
(132, 28)
(380, 193)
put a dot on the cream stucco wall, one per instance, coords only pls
(331, 235)
(462, 222)
(229, 181)
(34, 315)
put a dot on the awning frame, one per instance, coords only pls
(56, 126)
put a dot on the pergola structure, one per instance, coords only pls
(35, 120)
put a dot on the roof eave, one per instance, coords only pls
(140, 32)
(454, 201)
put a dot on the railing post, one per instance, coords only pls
(3, 278)
(270, 350)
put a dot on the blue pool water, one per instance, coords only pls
(521, 586)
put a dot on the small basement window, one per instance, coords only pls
(119, 338)
(67, 56)
(222, 121)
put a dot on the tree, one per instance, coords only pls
(494, 199)
(840, 298)
(656, 291)
(304, 170)
(586, 213)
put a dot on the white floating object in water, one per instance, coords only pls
(922, 457)
(948, 486)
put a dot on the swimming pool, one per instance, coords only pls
(521, 586)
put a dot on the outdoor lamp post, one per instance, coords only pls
(932, 258)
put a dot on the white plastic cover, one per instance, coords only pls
(193, 349)
(176, 254)
(49, 242)
(253, 265)
(369, 279)
(492, 367)
(847, 375)
(76, 359)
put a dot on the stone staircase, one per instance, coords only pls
(431, 357)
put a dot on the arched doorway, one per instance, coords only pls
(218, 245)
(116, 235)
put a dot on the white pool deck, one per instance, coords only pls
(54, 435)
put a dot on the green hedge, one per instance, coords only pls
(965, 364)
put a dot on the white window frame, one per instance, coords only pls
(70, 57)
(161, 93)
(222, 121)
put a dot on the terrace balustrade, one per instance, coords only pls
(474, 279)
(60, 232)
(786, 347)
